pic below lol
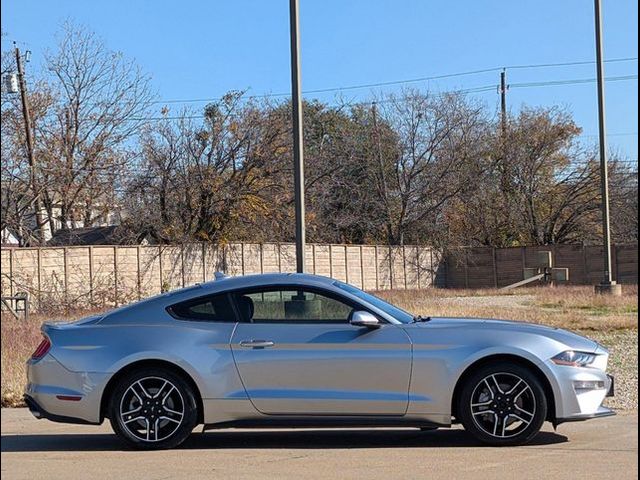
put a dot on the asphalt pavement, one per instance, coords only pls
(39, 449)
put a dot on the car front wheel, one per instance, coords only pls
(153, 409)
(502, 404)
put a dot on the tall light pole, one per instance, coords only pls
(503, 101)
(608, 285)
(298, 145)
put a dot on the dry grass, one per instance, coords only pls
(613, 321)
(19, 339)
(573, 308)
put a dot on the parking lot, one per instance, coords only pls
(605, 448)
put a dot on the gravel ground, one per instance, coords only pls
(623, 365)
(496, 301)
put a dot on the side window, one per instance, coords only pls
(291, 306)
(215, 308)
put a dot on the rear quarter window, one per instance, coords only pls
(212, 308)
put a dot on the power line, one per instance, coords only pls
(479, 89)
(621, 134)
(568, 64)
(574, 81)
(401, 82)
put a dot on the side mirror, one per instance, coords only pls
(364, 319)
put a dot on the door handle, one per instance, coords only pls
(256, 343)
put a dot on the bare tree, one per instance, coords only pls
(83, 141)
(624, 200)
(208, 181)
(538, 185)
(439, 144)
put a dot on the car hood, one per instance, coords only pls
(573, 341)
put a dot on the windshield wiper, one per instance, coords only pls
(419, 318)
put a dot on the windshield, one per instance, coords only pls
(392, 310)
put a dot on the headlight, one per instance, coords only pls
(574, 359)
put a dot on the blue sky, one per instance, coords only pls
(201, 49)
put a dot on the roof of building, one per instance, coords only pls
(109, 235)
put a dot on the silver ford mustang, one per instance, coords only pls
(297, 350)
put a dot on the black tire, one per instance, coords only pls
(161, 419)
(513, 399)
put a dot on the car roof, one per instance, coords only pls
(265, 279)
(147, 309)
(219, 285)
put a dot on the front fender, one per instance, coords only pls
(508, 351)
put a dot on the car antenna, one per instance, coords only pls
(219, 275)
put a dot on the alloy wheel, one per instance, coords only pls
(152, 409)
(503, 405)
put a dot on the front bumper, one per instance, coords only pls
(612, 388)
(581, 392)
(602, 412)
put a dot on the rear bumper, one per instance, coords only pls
(61, 395)
(39, 412)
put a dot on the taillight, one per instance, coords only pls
(42, 349)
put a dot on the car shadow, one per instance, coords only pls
(296, 439)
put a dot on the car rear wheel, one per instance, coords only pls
(502, 404)
(153, 409)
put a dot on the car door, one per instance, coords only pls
(297, 354)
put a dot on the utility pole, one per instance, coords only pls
(608, 285)
(298, 145)
(503, 100)
(37, 204)
(504, 167)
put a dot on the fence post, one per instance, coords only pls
(376, 259)
(138, 279)
(495, 267)
(585, 261)
(279, 257)
(466, 268)
(262, 257)
(404, 265)
(432, 269)
(242, 257)
(313, 257)
(91, 275)
(361, 269)
(346, 264)
(204, 262)
(330, 261)
(418, 266)
(39, 254)
(11, 272)
(160, 268)
(65, 263)
(390, 267)
(182, 276)
(115, 274)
